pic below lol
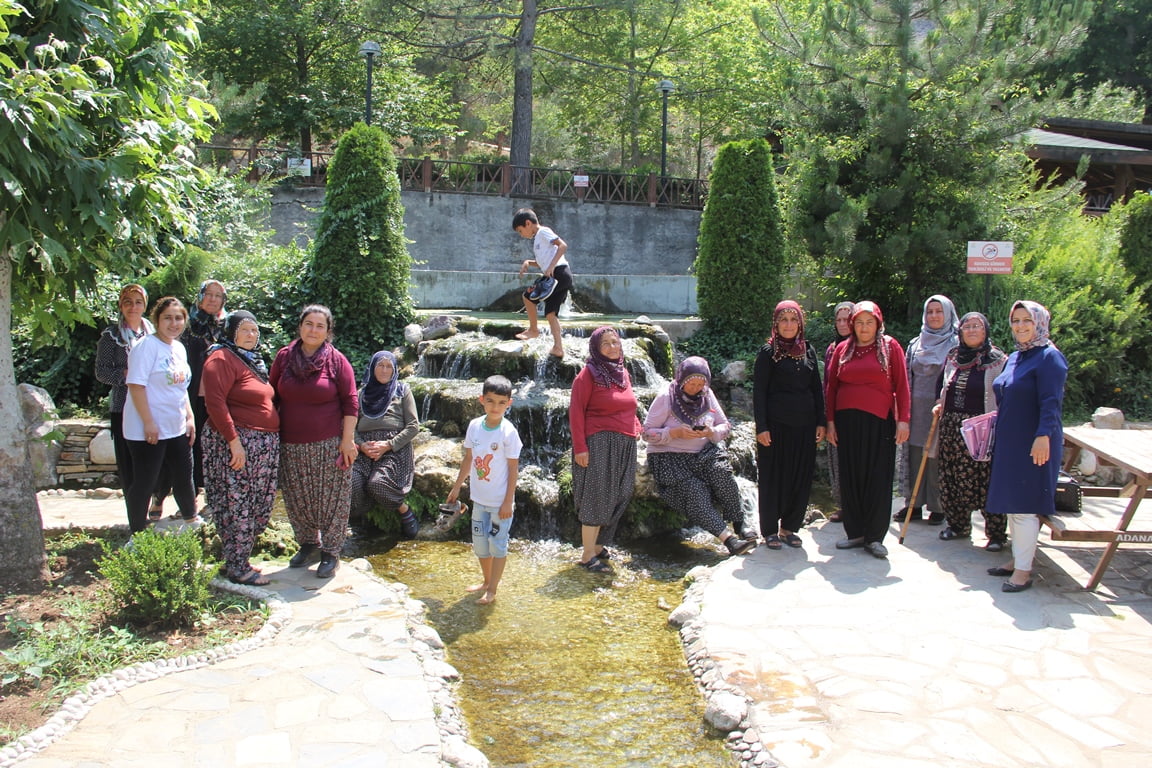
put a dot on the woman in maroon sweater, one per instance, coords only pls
(867, 404)
(241, 443)
(316, 390)
(604, 433)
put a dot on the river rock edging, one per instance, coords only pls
(727, 708)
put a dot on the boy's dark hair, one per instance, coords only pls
(523, 216)
(497, 385)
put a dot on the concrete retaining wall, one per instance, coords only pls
(634, 258)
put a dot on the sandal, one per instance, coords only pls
(773, 542)
(604, 554)
(995, 545)
(251, 579)
(836, 517)
(949, 533)
(793, 540)
(595, 565)
(155, 513)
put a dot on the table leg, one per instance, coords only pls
(1142, 484)
(1073, 457)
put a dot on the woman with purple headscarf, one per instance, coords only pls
(385, 467)
(788, 400)
(685, 431)
(604, 427)
(1029, 438)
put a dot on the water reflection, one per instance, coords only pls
(568, 667)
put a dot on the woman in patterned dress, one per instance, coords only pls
(316, 390)
(685, 431)
(384, 470)
(241, 443)
(604, 426)
(967, 391)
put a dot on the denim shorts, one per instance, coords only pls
(485, 520)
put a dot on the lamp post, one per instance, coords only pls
(370, 51)
(666, 87)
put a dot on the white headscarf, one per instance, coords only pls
(935, 344)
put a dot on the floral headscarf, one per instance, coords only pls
(982, 357)
(795, 347)
(1041, 317)
(688, 408)
(203, 325)
(128, 337)
(250, 357)
(935, 344)
(605, 372)
(881, 342)
(374, 396)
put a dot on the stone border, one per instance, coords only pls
(76, 706)
(727, 707)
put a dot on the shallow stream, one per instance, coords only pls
(567, 667)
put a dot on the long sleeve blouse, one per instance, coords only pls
(861, 383)
(600, 409)
(787, 391)
(112, 362)
(235, 397)
(314, 410)
(662, 419)
(400, 417)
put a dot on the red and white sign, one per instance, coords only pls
(990, 257)
(579, 180)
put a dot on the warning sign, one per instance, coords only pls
(990, 257)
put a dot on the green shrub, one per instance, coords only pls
(159, 578)
(180, 276)
(388, 521)
(740, 264)
(361, 267)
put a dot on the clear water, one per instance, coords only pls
(567, 667)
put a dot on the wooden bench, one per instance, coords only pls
(1130, 449)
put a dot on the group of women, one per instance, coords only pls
(303, 426)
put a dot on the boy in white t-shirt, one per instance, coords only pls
(548, 252)
(491, 465)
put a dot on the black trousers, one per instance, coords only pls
(867, 450)
(172, 457)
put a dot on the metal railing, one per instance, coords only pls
(468, 178)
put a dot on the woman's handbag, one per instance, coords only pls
(979, 433)
(1069, 496)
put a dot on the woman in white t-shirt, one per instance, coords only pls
(158, 422)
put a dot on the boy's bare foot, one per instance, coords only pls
(557, 352)
(487, 598)
(477, 588)
(528, 334)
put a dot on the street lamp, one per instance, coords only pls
(666, 87)
(369, 50)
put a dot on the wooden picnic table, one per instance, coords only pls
(1129, 449)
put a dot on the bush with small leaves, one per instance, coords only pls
(159, 578)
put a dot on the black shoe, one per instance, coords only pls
(935, 518)
(738, 546)
(409, 525)
(305, 556)
(877, 550)
(328, 565)
(949, 533)
(604, 554)
(917, 514)
(1000, 571)
(850, 543)
(995, 545)
(1010, 587)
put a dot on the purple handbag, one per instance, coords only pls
(979, 433)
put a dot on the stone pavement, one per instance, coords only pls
(921, 660)
(352, 679)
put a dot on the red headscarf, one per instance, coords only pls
(881, 342)
(795, 347)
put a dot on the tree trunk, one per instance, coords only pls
(520, 148)
(22, 560)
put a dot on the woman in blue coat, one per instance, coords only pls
(1029, 438)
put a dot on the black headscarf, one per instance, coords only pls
(374, 396)
(250, 357)
(977, 357)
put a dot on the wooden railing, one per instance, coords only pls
(428, 175)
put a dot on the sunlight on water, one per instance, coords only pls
(567, 667)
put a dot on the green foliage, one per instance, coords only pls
(270, 282)
(361, 268)
(720, 347)
(158, 578)
(1136, 240)
(423, 507)
(740, 264)
(180, 276)
(98, 121)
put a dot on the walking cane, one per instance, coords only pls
(919, 477)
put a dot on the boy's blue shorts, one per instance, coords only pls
(485, 520)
